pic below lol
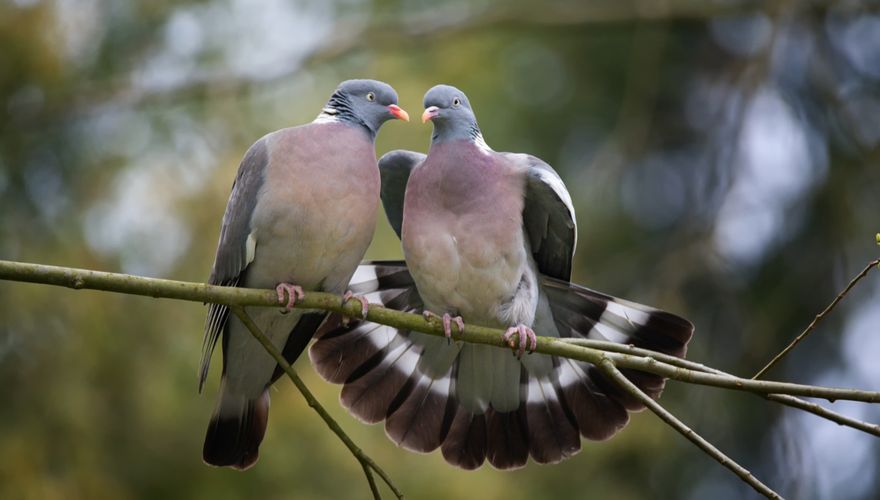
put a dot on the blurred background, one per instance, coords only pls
(723, 157)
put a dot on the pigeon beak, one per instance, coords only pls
(398, 112)
(430, 113)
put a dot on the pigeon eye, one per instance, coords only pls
(371, 96)
(456, 101)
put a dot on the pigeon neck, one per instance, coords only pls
(339, 109)
(471, 134)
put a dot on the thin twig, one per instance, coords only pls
(651, 365)
(792, 401)
(825, 413)
(366, 462)
(818, 318)
(607, 367)
(605, 345)
(374, 489)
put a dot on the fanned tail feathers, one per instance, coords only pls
(461, 399)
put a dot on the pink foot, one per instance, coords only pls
(288, 294)
(365, 306)
(447, 322)
(526, 337)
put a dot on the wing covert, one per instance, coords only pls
(236, 247)
(394, 168)
(549, 219)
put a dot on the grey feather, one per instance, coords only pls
(553, 436)
(598, 416)
(548, 218)
(395, 167)
(231, 259)
(507, 438)
(422, 415)
(497, 379)
(465, 442)
(371, 390)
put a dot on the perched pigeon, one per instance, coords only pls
(302, 210)
(488, 237)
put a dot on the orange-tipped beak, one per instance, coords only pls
(398, 112)
(430, 113)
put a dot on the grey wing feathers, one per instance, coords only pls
(549, 220)
(232, 250)
(394, 168)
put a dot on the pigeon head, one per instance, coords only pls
(368, 103)
(450, 112)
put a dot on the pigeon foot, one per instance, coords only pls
(365, 306)
(447, 320)
(526, 336)
(288, 294)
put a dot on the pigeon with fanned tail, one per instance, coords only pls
(488, 239)
(300, 217)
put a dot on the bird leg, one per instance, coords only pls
(526, 336)
(365, 306)
(447, 320)
(288, 294)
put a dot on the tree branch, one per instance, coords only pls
(871, 265)
(785, 399)
(199, 292)
(614, 374)
(366, 462)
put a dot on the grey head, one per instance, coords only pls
(366, 103)
(451, 113)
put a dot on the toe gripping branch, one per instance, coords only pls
(365, 305)
(288, 295)
(447, 320)
(526, 337)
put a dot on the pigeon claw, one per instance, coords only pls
(526, 337)
(365, 306)
(459, 323)
(447, 320)
(288, 295)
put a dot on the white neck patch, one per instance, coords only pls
(327, 115)
(481, 143)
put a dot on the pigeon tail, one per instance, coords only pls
(478, 403)
(236, 430)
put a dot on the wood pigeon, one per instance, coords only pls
(301, 216)
(488, 237)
